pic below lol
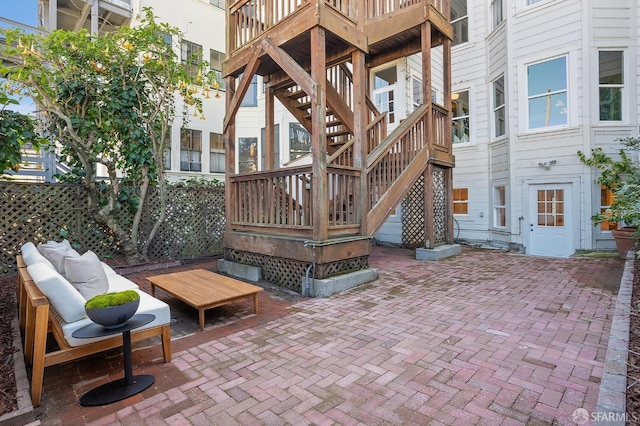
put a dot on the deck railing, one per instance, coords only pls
(281, 200)
(248, 19)
(392, 157)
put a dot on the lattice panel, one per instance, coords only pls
(413, 216)
(439, 207)
(40, 212)
(289, 273)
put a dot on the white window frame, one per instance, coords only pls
(190, 56)
(461, 20)
(622, 87)
(528, 97)
(497, 13)
(461, 119)
(217, 153)
(497, 207)
(193, 155)
(498, 108)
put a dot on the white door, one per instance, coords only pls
(550, 230)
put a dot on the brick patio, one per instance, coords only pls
(483, 338)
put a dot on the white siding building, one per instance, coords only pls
(544, 79)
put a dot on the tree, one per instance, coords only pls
(111, 100)
(16, 131)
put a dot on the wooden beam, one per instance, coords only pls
(249, 71)
(292, 107)
(291, 67)
(318, 135)
(229, 153)
(360, 117)
(408, 49)
(336, 103)
(269, 137)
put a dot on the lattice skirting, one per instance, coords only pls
(289, 273)
(413, 212)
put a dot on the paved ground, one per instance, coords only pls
(485, 338)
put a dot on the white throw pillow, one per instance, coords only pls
(31, 255)
(56, 256)
(53, 244)
(63, 297)
(86, 274)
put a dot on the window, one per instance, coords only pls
(499, 123)
(384, 84)
(611, 84)
(276, 148)
(248, 155)
(215, 63)
(251, 97)
(461, 201)
(216, 155)
(499, 207)
(459, 21)
(551, 207)
(299, 141)
(190, 150)
(167, 158)
(217, 3)
(460, 117)
(417, 93)
(530, 2)
(190, 56)
(606, 199)
(547, 93)
(497, 14)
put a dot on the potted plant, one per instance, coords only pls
(622, 177)
(112, 310)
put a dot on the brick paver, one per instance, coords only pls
(483, 338)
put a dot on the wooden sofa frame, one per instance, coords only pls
(37, 320)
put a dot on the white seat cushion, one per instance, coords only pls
(31, 255)
(148, 305)
(120, 283)
(61, 294)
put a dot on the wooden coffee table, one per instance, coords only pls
(204, 289)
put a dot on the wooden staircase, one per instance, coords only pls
(315, 57)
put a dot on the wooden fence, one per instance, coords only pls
(39, 212)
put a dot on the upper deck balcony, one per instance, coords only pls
(373, 26)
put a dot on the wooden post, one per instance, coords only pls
(230, 156)
(426, 82)
(446, 70)
(429, 233)
(318, 136)
(360, 142)
(269, 136)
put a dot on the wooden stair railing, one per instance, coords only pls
(394, 165)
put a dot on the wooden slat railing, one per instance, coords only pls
(248, 19)
(439, 131)
(280, 200)
(277, 198)
(389, 159)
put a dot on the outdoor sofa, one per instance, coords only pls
(54, 282)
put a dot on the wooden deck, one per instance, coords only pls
(204, 289)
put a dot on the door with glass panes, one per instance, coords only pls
(550, 230)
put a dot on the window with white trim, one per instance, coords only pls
(499, 111)
(215, 63)
(190, 150)
(190, 56)
(530, 2)
(384, 85)
(497, 13)
(251, 96)
(461, 131)
(499, 206)
(460, 200)
(216, 153)
(610, 84)
(547, 93)
(459, 21)
(247, 155)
